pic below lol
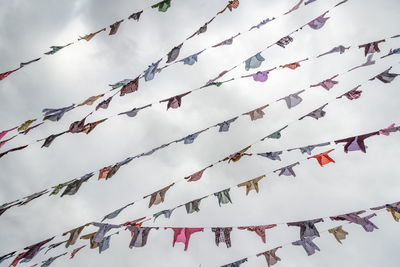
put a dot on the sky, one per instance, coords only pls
(356, 181)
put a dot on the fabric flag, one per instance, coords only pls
(262, 23)
(338, 49)
(105, 243)
(115, 213)
(309, 2)
(30, 128)
(287, 170)
(293, 100)
(175, 101)
(136, 16)
(319, 22)
(257, 113)
(130, 87)
(190, 60)
(259, 230)
(73, 253)
(72, 188)
(385, 76)
(25, 125)
(7, 256)
(355, 218)
(293, 65)
(227, 41)
(238, 155)
(338, 233)
(295, 7)
(371, 48)
(275, 135)
(114, 27)
(23, 64)
(231, 5)
(51, 260)
(90, 126)
(167, 214)
(284, 41)
(174, 53)
(12, 149)
(104, 104)
(307, 243)
(5, 74)
(356, 143)
(163, 5)
(197, 176)
(51, 246)
(158, 196)
(327, 84)
(51, 138)
(251, 184)
(254, 62)
(134, 111)
(202, 29)
(272, 155)
(56, 114)
(55, 49)
(392, 52)
(182, 235)
(307, 228)
(89, 36)
(316, 114)
(151, 71)
(58, 187)
(270, 256)
(32, 197)
(191, 137)
(119, 84)
(236, 263)
(223, 197)
(78, 126)
(308, 149)
(3, 133)
(139, 236)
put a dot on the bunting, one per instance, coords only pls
(150, 72)
(288, 170)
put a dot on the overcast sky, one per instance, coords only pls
(356, 181)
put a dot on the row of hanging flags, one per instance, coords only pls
(175, 102)
(354, 143)
(131, 85)
(107, 172)
(100, 239)
(162, 6)
(308, 230)
(292, 100)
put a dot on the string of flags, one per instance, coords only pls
(291, 100)
(131, 85)
(355, 143)
(176, 101)
(109, 171)
(308, 231)
(161, 6)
